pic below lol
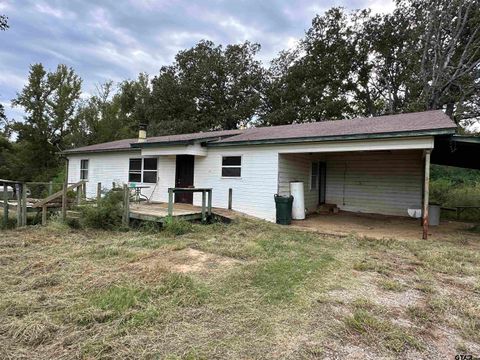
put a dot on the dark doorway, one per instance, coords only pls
(322, 182)
(184, 178)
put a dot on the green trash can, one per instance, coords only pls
(283, 205)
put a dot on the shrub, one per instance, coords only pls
(177, 226)
(106, 215)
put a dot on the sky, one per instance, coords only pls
(116, 40)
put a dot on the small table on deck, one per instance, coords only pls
(138, 192)
(205, 191)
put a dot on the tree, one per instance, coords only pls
(49, 99)
(3, 23)
(450, 57)
(208, 87)
(318, 84)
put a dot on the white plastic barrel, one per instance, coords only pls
(298, 207)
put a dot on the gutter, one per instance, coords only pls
(69, 152)
(446, 131)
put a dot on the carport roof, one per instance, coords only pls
(457, 150)
(427, 122)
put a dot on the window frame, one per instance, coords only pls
(142, 170)
(83, 169)
(231, 166)
(314, 184)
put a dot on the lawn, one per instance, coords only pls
(245, 290)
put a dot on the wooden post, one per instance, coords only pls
(126, 206)
(203, 205)
(113, 185)
(5, 205)
(230, 196)
(19, 205)
(64, 202)
(50, 188)
(99, 192)
(84, 190)
(44, 215)
(426, 187)
(79, 195)
(170, 202)
(209, 202)
(24, 205)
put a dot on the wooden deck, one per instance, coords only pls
(158, 212)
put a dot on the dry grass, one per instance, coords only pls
(245, 290)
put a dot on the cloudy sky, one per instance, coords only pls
(116, 39)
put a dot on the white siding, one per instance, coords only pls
(297, 167)
(384, 183)
(107, 168)
(102, 167)
(253, 192)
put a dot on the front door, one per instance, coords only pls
(184, 178)
(322, 182)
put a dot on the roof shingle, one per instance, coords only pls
(420, 121)
(389, 124)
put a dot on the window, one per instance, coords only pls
(83, 169)
(314, 176)
(231, 166)
(143, 170)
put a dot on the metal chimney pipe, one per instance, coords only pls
(142, 133)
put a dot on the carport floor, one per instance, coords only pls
(382, 226)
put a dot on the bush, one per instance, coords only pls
(106, 215)
(177, 226)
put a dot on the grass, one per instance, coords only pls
(242, 290)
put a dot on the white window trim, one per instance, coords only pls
(141, 171)
(231, 166)
(83, 169)
(314, 186)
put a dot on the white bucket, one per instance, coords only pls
(298, 207)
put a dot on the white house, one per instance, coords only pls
(372, 165)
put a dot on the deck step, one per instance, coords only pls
(327, 209)
(72, 214)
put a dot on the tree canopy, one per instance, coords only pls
(424, 55)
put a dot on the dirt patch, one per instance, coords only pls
(187, 260)
(382, 226)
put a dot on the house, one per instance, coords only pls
(371, 165)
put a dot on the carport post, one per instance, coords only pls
(5, 205)
(426, 194)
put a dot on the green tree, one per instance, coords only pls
(208, 87)
(3, 23)
(49, 100)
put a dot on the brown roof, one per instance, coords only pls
(427, 121)
(133, 144)
(119, 145)
(402, 123)
(191, 137)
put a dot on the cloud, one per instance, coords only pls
(115, 40)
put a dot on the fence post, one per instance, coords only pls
(5, 205)
(203, 205)
(170, 202)
(79, 195)
(210, 202)
(64, 202)
(44, 215)
(50, 188)
(24, 205)
(19, 205)
(230, 195)
(99, 192)
(126, 206)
